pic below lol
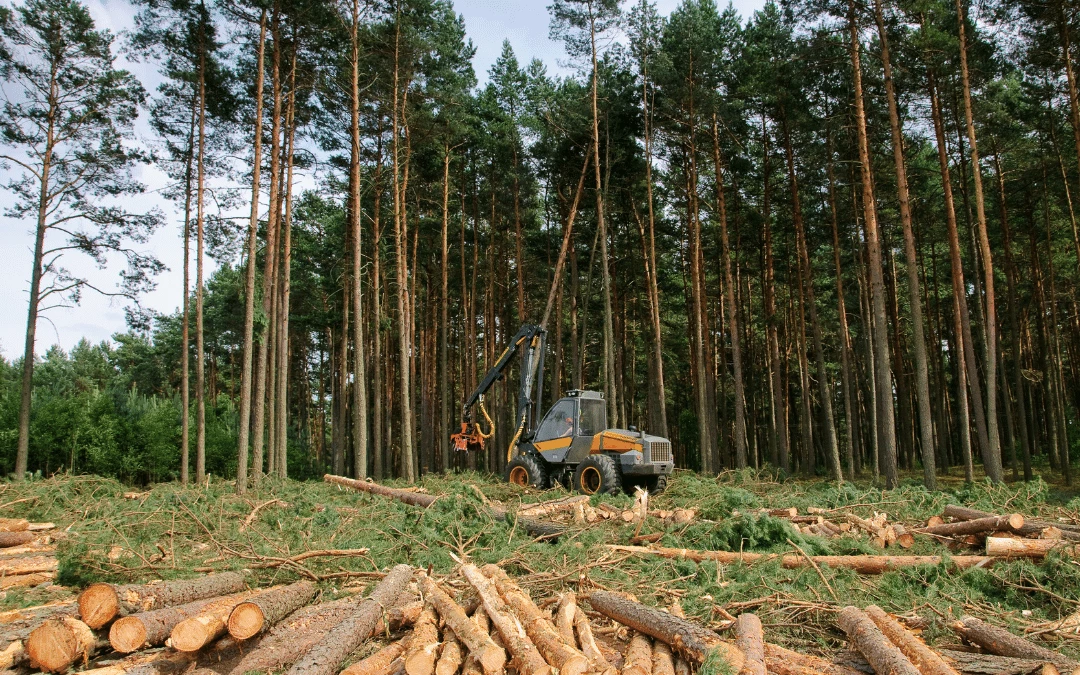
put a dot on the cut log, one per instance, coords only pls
(750, 638)
(689, 639)
(780, 661)
(326, 656)
(492, 659)
(131, 633)
(14, 654)
(450, 655)
(420, 656)
(564, 618)
(1032, 527)
(638, 659)
(904, 539)
(1003, 643)
(471, 665)
(30, 564)
(154, 663)
(538, 627)
(663, 661)
(57, 644)
(14, 524)
(922, 657)
(294, 636)
(25, 580)
(382, 662)
(884, 656)
(553, 506)
(101, 603)
(402, 616)
(1008, 547)
(526, 658)
(9, 539)
(192, 634)
(863, 564)
(30, 549)
(583, 628)
(976, 663)
(1010, 523)
(264, 609)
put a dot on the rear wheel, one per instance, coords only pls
(527, 471)
(598, 474)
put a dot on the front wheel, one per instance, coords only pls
(527, 471)
(598, 474)
(656, 484)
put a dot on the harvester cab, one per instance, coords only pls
(572, 443)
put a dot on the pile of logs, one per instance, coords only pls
(27, 556)
(1007, 536)
(832, 524)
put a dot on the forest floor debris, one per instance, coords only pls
(303, 550)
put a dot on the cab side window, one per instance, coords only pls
(559, 422)
(593, 417)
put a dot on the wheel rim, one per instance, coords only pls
(519, 475)
(590, 480)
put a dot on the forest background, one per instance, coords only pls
(834, 238)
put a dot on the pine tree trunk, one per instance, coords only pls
(200, 349)
(444, 384)
(380, 464)
(282, 409)
(886, 424)
(244, 424)
(185, 330)
(360, 402)
(657, 392)
(845, 333)
(779, 399)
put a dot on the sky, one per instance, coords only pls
(488, 22)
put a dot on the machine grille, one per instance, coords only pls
(659, 451)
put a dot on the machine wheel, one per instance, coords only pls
(598, 474)
(656, 484)
(527, 471)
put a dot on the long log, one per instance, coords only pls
(156, 663)
(28, 565)
(290, 639)
(691, 640)
(57, 644)
(537, 626)
(471, 665)
(781, 661)
(492, 659)
(30, 549)
(1010, 523)
(1008, 547)
(14, 524)
(16, 625)
(977, 663)
(925, 659)
(526, 657)
(264, 609)
(882, 654)
(99, 604)
(419, 658)
(325, 657)
(750, 638)
(450, 655)
(382, 662)
(564, 617)
(535, 528)
(863, 564)
(588, 644)
(999, 641)
(154, 627)
(9, 539)
(24, 580)
(1032, 526)
(553, 506)
(663, 661)
(638, 659)
(210, 623)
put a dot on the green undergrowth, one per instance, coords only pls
(171, 531)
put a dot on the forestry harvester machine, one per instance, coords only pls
(572, 444)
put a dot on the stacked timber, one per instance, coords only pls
(27, 554)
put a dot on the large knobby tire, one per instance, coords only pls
(656, 484)
(598, 474)
(527, 471)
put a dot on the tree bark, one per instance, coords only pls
(926, 660)
(885, 657)
(1003, 643)
(290, 639)
(99, 604)
(281, 420)
(786, 662)
(751, 640)
(383, 662)
(256, 614)
(9, 539)
(1011, 523)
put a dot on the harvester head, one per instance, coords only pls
(470, 438)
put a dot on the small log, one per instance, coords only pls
(933, 521)
(689, 639)
(663, 661)
(492, 659)
(1032, 526)
(450, 656)
(382, 662)
(638, 659)
(863, 564)
(194, 633)
(783, 513)
(583, 628)
(24, 580)
(14, 524)
(537, 627)
(780, 661)
(326, 656)
(419, 658)
(1003, 643)
(29, 549)
(904, 539)
(682, 666)
(402, 616)
(57, 644)
(553, 506)
(526, 658)
(977, 663)
(925, 659)
(264, 609)
(28, 565)
(1008, 547)
(131, 633)
(41, 527)
(294, 636)
(750, 638)
(14, 654)
(1010, 523)
(883, 656)
(471, 665)
(564, 617)
(9, 539)
(155, 663)
(99, 604)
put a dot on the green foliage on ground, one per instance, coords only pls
(171, 531)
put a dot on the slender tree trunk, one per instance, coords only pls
(883, 376)
(249, 273)
(444, 321)
(991, 446)
(778, 398)
(380, 463)
(200, 351)
(922, 378)
(185, 332)
(657, 391)
(282, 409)
(360, 395)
